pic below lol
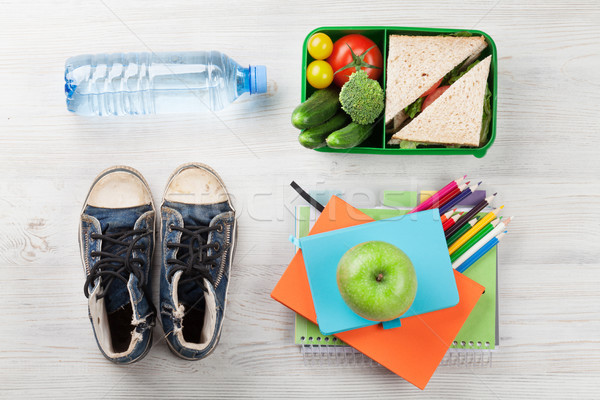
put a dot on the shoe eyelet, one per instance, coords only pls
(220, 228)
(169, 228)
(216, 246)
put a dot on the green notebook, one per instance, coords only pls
(480, 329)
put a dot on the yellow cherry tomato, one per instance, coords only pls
(320, 46)
(319, 74)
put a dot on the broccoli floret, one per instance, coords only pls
(362, 98)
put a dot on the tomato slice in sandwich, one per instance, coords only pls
(432, 89)
(433, 96)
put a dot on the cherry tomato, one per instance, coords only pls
(319, 74)
(320, 46)
(427, 93)
(433, 96)
(355, 51)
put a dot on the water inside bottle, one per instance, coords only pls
(143, 83)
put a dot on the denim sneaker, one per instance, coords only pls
(198, 237)
(116, 240)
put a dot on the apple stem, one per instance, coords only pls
(379, 277)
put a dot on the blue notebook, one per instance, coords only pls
(420, 235)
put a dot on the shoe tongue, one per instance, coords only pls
(114, 221)
(190, 294)
(117, 296)
(199, 216)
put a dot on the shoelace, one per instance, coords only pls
(116, 259)
(192, 256)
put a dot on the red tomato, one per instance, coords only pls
(433, 96)
(427, 93)
(349, 51)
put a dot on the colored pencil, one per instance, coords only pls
(469, 215)
(451, 221)
(450, 195)
(495, 232)
(484, 231)
(476, 228)
(447, 215)
(462, 231)
(438, 195)
(480, 253)
(455, 201)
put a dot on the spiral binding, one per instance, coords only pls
(316, 355)
(467, 358)
(322, 355)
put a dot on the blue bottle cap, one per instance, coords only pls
(258, 79)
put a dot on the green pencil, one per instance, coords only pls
(461, 231)
(484, 231)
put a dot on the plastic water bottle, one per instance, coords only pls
(154, 83)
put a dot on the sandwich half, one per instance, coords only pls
(455, 117)
(416, 63)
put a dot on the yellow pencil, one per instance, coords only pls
(476, 228)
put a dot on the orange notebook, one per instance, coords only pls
(412, 351)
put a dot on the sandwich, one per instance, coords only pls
(456, 117)
(436, 92)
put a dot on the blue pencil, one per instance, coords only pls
(461, 196)
(480, 253)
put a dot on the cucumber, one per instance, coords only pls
(349, 136)
(321, 106)
(313, 138)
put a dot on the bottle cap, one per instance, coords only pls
(258, 79)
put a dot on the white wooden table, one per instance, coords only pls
(544, 164)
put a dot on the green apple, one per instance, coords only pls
(377, 280)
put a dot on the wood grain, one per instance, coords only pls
(544, 165)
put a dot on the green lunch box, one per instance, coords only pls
(377, 142)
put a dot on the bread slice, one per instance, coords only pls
(416, 63)
(455, 117)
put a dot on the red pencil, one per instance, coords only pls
(451, 221)
(444, 217)
(426, 205)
